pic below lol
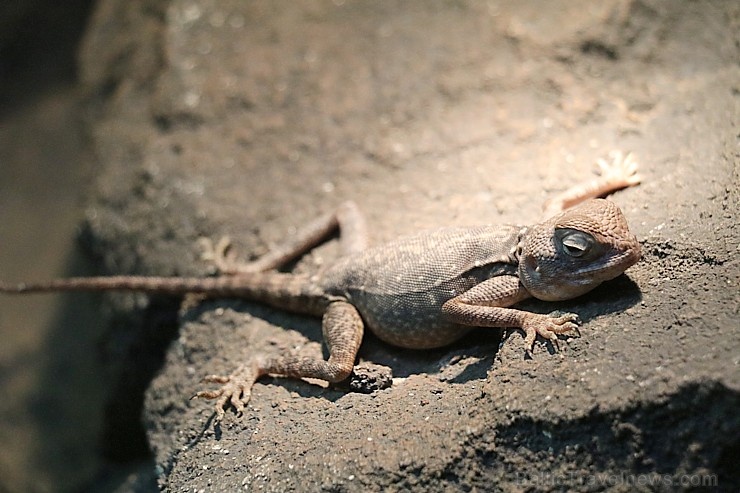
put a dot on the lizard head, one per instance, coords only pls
(575, 251)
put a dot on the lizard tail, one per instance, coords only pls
(146, 284)
(285, 291)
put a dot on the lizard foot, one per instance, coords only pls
(621, 171)
(236, 389)
(617, 172)
(548, 326)
(220, 254)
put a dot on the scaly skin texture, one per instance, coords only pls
(422, 291)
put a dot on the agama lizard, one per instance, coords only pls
(422, 291)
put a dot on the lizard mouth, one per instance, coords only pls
(612, 267)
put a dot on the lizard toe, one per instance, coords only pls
(621, 168)
(548, 327)
(208, 394)
(238, 401)
(219, 407)
(560, 324)
(235, 390)
(215, 379)
(550, 333)
(219, 394)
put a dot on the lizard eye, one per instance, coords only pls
(574, 243)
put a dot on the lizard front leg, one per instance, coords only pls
(347, 219)
(485, 305)
(342, 328)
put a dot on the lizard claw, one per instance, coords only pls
(548, 326)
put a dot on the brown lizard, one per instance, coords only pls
(422, 291)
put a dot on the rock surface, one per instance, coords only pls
(249, 118)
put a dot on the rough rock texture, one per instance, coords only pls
(249, 118)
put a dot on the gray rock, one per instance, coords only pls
(248, 118)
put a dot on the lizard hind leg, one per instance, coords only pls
(343, 330)
(620, 172)
(346, 218)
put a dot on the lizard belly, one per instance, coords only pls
(411, 320)
(399, 288)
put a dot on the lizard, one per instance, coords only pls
(421, 291)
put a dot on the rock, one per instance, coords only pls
(249, 118)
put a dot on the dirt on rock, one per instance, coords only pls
(248, 119)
